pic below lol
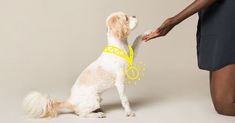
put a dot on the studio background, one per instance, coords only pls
(45, 45)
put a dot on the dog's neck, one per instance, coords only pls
(121, 43)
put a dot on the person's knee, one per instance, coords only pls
(224, 107)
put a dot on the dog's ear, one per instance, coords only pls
(118, 26)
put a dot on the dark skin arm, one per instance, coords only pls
(170, 23)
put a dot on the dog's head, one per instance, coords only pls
(119, 24)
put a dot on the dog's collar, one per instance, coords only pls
(120, 52)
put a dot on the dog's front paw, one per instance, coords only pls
(130, 114)
(147, 32)
(140, 37)
(138, 40)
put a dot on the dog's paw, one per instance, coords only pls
(147, 32)
(93, 115)
(138, 39)
(130, 114)
(101, 115)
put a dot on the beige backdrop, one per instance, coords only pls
(45, 44)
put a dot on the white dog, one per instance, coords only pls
(102, 74)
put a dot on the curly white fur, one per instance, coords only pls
(35, 104)
(102, 74)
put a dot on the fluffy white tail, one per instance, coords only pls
(36, 105)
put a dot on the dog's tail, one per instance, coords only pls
(36, 105)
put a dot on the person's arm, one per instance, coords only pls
(169, 23)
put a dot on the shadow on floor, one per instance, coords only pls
(134, 103)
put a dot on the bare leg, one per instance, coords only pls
(222, 84)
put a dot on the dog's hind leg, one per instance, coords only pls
(86, 109)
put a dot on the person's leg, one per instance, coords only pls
(222, 84)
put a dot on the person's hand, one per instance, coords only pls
(167, 25)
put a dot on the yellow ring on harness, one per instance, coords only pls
(132, 73)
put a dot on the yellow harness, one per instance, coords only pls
(132, 72)
(121, 53)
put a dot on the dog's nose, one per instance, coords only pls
(134, 16)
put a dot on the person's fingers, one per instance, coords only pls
(149, 39)
(160, 31)
(154, 35)
(148, 36)
(145, 37)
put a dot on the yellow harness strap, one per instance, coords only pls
(132, 72)
(121, 53)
